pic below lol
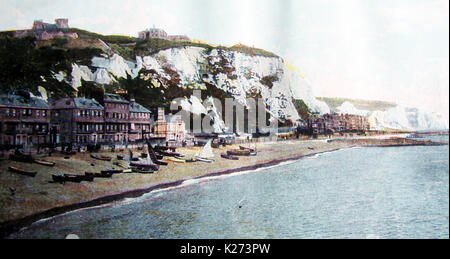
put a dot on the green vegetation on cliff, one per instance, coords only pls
(26, 63)
(24, 66)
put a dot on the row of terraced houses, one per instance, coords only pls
(25, 120)
(335, 122)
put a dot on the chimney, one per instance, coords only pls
(161, 116)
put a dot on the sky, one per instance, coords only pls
(377, 50)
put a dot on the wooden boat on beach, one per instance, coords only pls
(230, 157)
(246, 148)
(253, 153)
(141, 170)
(66, 178)
(22, 171)
(176, 160)
(169, 153)
(155, 157)
(164, 148)
(121, 164)
(103, 158)
(19, 156)
(111, 171)
(44, 162)
(72, 178)
(70, 153)
(99, 175)
(88, 178)
(239, 152)
(144, 165)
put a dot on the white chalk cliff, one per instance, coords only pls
(240, 74)
(231, 71)
(398, 117)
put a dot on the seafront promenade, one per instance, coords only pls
(38, 197)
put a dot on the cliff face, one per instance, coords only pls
(398, 117)
(238, 74)
(156, 71)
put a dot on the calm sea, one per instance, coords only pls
(398, 192)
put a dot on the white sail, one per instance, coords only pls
(206, 151)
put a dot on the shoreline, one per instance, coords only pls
(9, 227)
(274, 154)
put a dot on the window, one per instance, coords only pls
(44, 113)
(38, 112)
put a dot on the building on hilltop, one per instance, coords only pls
(44, 31)
(179, 37)
(153, 33)
(156, 33)
(24, 120)
(60, 24)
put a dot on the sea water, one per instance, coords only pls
(396, 192)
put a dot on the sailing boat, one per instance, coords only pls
(206, 153)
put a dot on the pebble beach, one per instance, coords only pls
(38, 197)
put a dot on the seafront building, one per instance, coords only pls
(172, 128)
(28, 120)
(117, 113)
(338, 123)
(139, 122)
(24, 120)
(77, 120)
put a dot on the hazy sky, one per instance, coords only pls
(386, 50)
